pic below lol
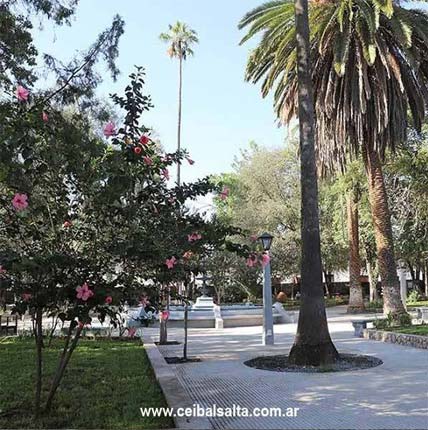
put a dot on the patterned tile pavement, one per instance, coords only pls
(391, 396)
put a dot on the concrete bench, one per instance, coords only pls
(423, 313)
(360, 325)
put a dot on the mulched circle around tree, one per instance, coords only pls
(169, 342)
(181, 360)
(346, 362)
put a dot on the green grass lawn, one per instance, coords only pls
(421, 330)
(104, 387)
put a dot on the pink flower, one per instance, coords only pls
(2, 270)
(82, 325)
(26, 297)
(188, 255)
(194, 237)
(84, 293)
(109, 129)
(20, 201)
(166, 159)
(137, 150)
(265, 260)
(190, 161)
(108, 300)
(224, 194)
(144, 301)
(253, 237)
(45, 117)
(171, 262)
(251, 260)
(131, 332)
(164, 315)
(22, 93)
(165, 174)
(148, 160)
(144, 140)
(67, 224)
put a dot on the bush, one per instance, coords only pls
(383, 324)
(413, 297)
(375, 304)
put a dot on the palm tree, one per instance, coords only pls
(180, 39)
(370, 66)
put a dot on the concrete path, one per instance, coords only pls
(391, 396)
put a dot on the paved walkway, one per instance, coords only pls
(391, 396)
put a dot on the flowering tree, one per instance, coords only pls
(81, 214)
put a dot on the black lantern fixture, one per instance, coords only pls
(266, 240)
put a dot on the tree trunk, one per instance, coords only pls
(312, 345)
(356, 303)
(372, 274)
(383, 235)
(186, 320)
(63, 363)
(39, 347)
(180, 90)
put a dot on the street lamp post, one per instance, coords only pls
(268, 339)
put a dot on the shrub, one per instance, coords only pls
(413, 297)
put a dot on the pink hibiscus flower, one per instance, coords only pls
(251, 260)
(164, 315)
(224, 193)
(26, 297)
(131, 332)
(194, 237)
(171, 262)
(22, 93)
(190, 161)
(20, 201)
(108, 300)
(137, 150)
(84, 293)
(144, 140)
(165, 174)
(148, 160)
(45, 117)
(265, 260)
(109, 129)
(144, 301)
(67, 224)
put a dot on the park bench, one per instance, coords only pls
(423, 313)
(361, 324)
(8, 324)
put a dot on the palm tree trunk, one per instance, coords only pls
(383, 235)
(372, 274)
(180, 96)
(356, 303)
(312, 345)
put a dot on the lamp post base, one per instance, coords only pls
(268, 338)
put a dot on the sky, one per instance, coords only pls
(221, 112)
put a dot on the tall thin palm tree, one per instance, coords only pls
(180, 38)
(369, 68)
